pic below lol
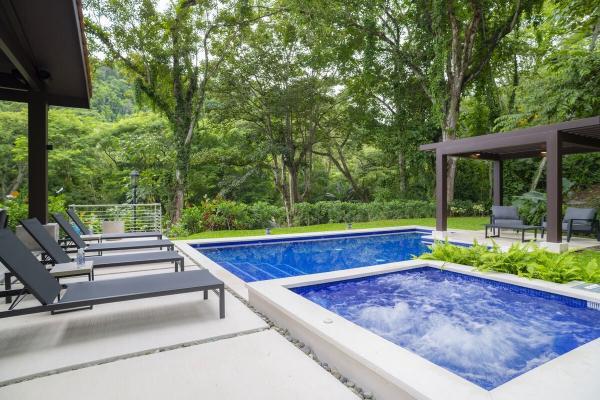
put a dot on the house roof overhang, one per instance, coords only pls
(577, 136)
(43, 51)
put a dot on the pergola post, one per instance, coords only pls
(497, 182)
(38, 157)
(554, 187)
(441, 192)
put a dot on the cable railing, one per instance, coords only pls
(102, 218)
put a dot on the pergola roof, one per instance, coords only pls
(43, 50)
(577, 136)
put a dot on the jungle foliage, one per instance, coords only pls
(286, 105)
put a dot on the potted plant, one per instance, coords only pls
(115, 222)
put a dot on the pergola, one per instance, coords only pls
(43, 62)
(550, 141)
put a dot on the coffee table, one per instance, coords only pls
(515, 227)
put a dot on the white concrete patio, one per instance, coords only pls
(255, 366)
(149, 348)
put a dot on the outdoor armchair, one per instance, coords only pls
(578, 220)
(505, 217)
(55, 297)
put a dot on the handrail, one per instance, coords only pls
(135, 217)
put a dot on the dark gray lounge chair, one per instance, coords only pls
(57, 255)
(100, 247)
(127, 235)
(578, 220)
(46, 289)
(3, 219)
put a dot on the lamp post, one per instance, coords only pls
(135, 176)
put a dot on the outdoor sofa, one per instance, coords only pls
(578, 220)
(55, 297)
(126, 235)
(74, 238)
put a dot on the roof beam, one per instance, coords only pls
(519, 137)
(580, 140)
(11, 44)
(14, 95)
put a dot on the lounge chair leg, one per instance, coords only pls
(206, 295)
(7, 286)
(222, 302)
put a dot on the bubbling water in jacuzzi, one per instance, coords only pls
(484, 332)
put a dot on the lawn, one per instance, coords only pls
(473, 223)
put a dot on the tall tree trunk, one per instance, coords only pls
(402, 175)
(515, 84)
(293, 186)
(279, 176)
(538, 175)
(449, 131)
(595, 35)
(18, 181)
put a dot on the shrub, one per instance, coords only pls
(18, 209)
(526, 260)
(221, 214)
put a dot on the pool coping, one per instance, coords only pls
(238, 285)
(390, 371)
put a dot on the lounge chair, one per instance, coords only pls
(581, 220)
(127, 235)
(56, 255)
(3, 219)
(46, 289)
(78, 242)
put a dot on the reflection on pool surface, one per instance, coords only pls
(264, 260)
(485, 331)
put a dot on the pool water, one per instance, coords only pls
(270, 260)
(484, 331)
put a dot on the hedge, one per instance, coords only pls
(215, 215)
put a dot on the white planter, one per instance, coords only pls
(113, 227)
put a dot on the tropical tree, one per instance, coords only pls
(171, 54)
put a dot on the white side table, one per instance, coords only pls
(70, 269)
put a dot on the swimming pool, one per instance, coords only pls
(485, 331)
(280, 258)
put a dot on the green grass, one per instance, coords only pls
(473, 223)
